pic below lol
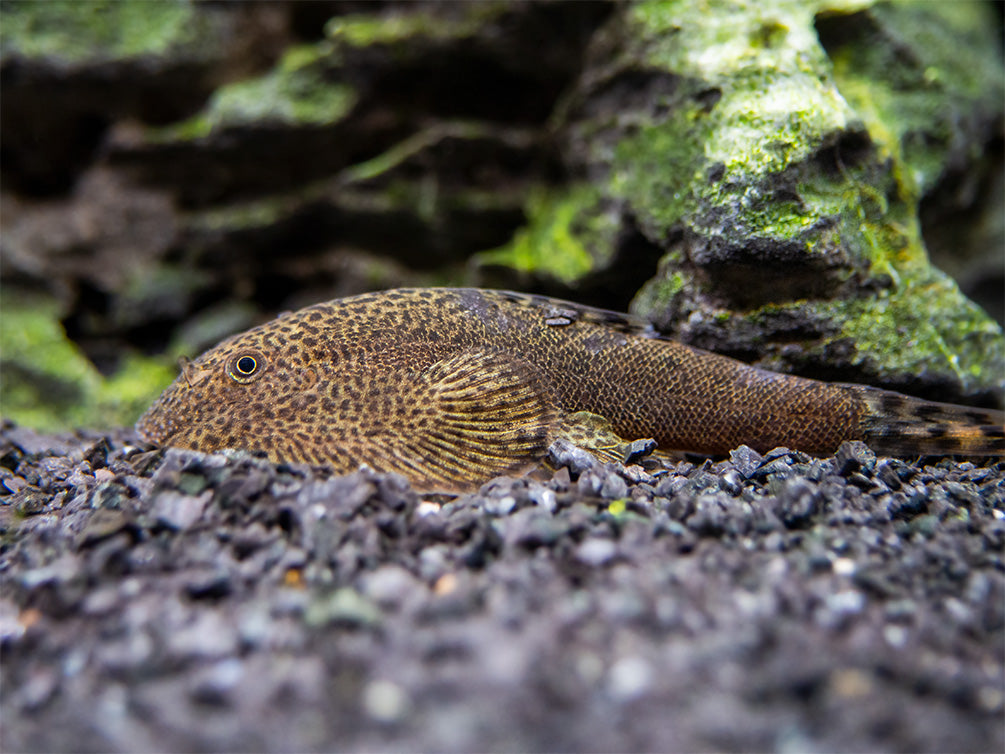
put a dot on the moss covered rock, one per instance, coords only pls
(49, 384)
(777, 153)
(63, 66)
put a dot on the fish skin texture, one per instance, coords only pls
(453, 386)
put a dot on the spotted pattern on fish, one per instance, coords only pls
(451, 387)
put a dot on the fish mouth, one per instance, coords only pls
(150, 426)
(176, 407)
(159, 424)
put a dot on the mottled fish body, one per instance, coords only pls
(451, 387)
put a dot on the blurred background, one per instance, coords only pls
(174, 172)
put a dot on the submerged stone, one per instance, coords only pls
(794, 143)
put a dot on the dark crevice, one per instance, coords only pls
(47, 142)
(835, 29)
(636, 258)
(42, 158)
(959, 231)
(850, 150)
(512, 71)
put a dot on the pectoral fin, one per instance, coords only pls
(471, 417)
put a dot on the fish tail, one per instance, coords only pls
(902, 425)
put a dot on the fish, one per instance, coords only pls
(451, 387)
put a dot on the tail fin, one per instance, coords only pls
(902, 425)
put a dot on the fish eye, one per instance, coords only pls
(245, 366)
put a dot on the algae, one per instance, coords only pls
(47, 383)
(295, 92)
(916, 102)
(366, 30)
(412, 146)
(252, 214)
(815, 127)
(896, 334)
(74, 32)
(773, 110)
(567, 235)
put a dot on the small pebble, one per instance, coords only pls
(746, 460)
(562, 453)
(427, 507)
(385, 702)
(272, 608)
(179, 511)
(216, 684)
(629, 678)
(613, 487)
(500, 506)
(596, 552)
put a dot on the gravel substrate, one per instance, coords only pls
(176, 601)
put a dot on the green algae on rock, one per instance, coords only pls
(397, 29)
(98, 31)
(782, 175)
(568, 235)
(294, 93)
(49, 384)
(62, 63)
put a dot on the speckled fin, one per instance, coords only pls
(593, 433)
(478, 414)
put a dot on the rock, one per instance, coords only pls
(385, 702)
(203, 635)
(735, 216)
(207, 584)
(389, 586)
(731, 482)
(596, 552)
(216, 684)
(797, 503)
(353, 628)
(180, 511)
(343, 607)
(613, 487)
(852, 456)
(746, 460)
(562, 453)
(629, 678)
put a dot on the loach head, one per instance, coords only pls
(256, 391)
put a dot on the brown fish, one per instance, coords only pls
(451, 387)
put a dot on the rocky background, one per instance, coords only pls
(765, 180)
(770, 180)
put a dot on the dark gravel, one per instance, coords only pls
(175, 601)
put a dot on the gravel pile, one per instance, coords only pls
(174, 601)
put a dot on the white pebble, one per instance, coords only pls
(426, 507)
(385, 702)
(896, 636)
(846, 602)
(596, 551)
(629, 678)
(843, 566)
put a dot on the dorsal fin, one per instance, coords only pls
(556, 309)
